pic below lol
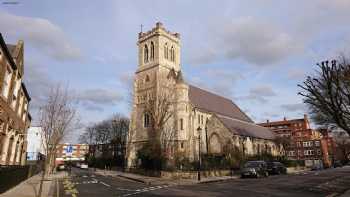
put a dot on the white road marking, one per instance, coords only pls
(146, 189)
(104, 184)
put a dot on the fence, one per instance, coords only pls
(11, 176)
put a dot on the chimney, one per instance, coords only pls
(267, 121)
(305, 116)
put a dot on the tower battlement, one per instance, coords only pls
(158, 29)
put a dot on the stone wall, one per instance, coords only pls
(194, 174)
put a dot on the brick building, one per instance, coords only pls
(77, 153)
(14, 105)
(315, 147)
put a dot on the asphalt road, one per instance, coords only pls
(85, 183)
(330, 182)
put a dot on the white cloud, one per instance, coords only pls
(99, 96)
(96, 99)
(260, 93)
(41, 34)
(297, 74)
(296, 107)
(257, 42)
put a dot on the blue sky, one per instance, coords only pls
(254, 52)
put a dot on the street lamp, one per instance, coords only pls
(199, 129)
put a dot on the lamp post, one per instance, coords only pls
(199, 129)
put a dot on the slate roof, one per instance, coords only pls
(11, 49)
(208, 101)
(7, 52)
(243, 128)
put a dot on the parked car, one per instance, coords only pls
(254, 169)
(337, 164)
(61, 167)
(84, 166)
(276, 168)
(317, 167)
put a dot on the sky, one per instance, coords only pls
(254, 52)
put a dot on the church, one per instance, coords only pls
(196, 120)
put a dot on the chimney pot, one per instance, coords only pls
(305, 116)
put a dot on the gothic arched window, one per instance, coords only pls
(181, 124)
(147, 78)
(172, 54)
(145, 59)
(166, 50)
(146, 120)
(152, 51)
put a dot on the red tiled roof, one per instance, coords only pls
(244, 128)
(208, 101)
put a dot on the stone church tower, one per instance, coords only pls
(200, 120)
(159, 59)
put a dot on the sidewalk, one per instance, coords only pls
(30, 187)
(346, 194)
(161, 181)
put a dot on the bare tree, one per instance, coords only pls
(160, 109)
(108, 136)
(88, 136)
(328, 94)
(58, 117)
(167, 140)
(342, 142)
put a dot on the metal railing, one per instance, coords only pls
(12, 175)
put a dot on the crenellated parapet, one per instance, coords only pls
(159, 29)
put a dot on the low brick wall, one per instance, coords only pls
(193, 174)
(292, 170)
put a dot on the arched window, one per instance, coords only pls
(215, 144)
(152, 51)
(181, 124)
(146, 120)
(166, 50)
(147, 78)
(172, 54)
(145, 54)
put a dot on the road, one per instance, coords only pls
(330, 182)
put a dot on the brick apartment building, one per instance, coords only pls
(315, 147)
(14, 105)
(77, 152)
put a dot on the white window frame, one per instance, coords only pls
(305, 144)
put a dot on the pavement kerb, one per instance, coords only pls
(134, 179)
(218, 180)
(171, 182)
(345, 194)
(189, 183)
